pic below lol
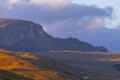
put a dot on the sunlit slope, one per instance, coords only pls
(32, 66)
(95, 65)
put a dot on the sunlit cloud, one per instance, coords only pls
(11, 2)
(50, 3)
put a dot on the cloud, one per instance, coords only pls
(11, 2)
(52, 3)
(48, 14)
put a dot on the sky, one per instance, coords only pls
(93, 21)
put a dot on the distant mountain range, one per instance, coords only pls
(28, 36)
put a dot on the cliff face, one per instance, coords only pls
(15, 30)
(28, 36)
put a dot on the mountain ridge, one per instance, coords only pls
(28, 36)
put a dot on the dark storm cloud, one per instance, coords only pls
(78, 11)
(45, 13)
(71, 17)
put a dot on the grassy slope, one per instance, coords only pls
(32, 66)
(96, 65)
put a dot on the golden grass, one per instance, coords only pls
(31, 66)
(9, 62)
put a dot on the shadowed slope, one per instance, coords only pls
(95, 65)
(6, 75)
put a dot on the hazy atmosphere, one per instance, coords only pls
(94, 21)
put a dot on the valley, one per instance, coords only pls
(95, 65)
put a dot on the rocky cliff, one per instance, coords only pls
(28, 36)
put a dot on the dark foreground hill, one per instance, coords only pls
(26, 66)
(28, 36)
(6, 75)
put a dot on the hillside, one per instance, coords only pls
(26, 66)
(21, 35)
(6, 75)
(94, 65)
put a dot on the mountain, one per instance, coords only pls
(28, 66)
(28, 36)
